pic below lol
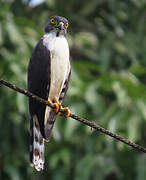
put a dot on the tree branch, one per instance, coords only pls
(82, 120)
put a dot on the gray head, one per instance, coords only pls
(57, 24)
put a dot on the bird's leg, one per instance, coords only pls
(66, 110)
(57, 105)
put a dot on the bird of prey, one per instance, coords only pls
(48, 77)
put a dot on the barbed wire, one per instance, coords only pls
(73, 116)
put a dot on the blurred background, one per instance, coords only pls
(107, 41)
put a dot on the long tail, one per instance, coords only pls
(37, 148)
(50, 117)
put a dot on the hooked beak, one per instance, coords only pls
(61, 26)
(60, 29)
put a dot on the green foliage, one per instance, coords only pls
(108, 86)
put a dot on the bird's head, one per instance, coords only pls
(57, 24)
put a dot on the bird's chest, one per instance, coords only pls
(59, 69)
(59, 53)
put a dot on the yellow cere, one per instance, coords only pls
(61, 23)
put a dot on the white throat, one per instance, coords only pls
(57, 45)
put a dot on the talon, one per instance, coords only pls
(66, 110)
(57, 105)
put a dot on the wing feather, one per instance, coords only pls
(39, 81)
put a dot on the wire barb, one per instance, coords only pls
(80, 119)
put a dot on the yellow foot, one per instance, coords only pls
(57, 105)
(67, 112)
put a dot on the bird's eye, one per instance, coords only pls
(52, 21)
(66, 25)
